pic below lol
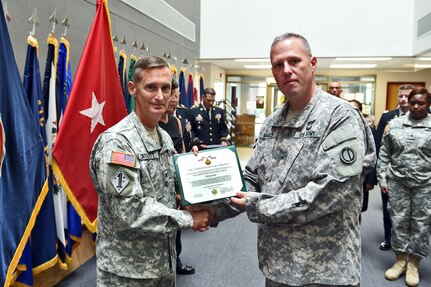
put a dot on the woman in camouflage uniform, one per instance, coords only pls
(404, 172)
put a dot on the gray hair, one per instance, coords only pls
(295, 36)
(146, 63)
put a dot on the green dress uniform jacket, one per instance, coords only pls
(138, 219)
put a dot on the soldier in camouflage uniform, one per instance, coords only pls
(404, 172)
(305, 179)
(132, 169)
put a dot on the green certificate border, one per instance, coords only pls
(178, 178)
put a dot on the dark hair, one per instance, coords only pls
(210, 91)
(358, 103)
(420, 91)
(174, 84)
(292, 35)
(149, 62)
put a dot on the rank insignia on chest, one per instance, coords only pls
(309, 125)
(123, 158)
(199, 118)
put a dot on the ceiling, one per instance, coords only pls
(394, 64)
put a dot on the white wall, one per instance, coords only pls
(423, 43)
(246, 28)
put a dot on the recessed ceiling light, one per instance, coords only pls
(352, 66)
(422, 66)
(257, 66)
(252, 60)
(424, 59)
(364, 59)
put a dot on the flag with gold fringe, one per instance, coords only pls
(96, 103)
(23, 183)
(71, 219)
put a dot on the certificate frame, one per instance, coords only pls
(211, 175)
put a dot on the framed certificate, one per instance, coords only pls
(212, 174)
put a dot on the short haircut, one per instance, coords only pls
(289, 36)
(174, 84)
(145, 63)
(406, 87)
(358, 103)
(420, 91)
(210, 91)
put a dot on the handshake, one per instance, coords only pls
(203, 214)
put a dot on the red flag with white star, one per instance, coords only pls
(95, 104)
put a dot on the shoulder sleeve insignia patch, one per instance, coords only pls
(348, 155)
(120, 180)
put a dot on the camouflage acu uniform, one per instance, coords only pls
(134, 178)
(305, 179)
(405, 168)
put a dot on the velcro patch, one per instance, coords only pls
(120, 180)
(123, 158)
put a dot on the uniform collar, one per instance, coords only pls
(425, 122)
(149, 143)
(302, 118)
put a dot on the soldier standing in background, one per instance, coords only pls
(132, 169)
(334, 88)
(404, 174)
(208, 122)
(403, 108)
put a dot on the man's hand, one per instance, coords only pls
(202, 146)
(200, 220)
(203, 207)
(384, 189)
(369, 186)
(224, 143)
(241, 201)
(194, 150)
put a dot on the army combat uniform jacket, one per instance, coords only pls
(137, 214)
(305, 179)
(406, 152)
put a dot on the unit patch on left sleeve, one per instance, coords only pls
(343, 147)
(120, 180)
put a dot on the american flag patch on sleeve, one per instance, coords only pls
(123, 158)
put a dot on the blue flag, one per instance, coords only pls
(22, 166)
(43, 237)
(182, 88)
(67, 219)
(33, 90)
(123, 76)
(201, 86)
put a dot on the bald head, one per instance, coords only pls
(334, 89)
